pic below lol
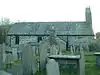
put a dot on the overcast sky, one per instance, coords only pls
(50, 10)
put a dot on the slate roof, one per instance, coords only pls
(42, 28)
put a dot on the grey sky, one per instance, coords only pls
(50, 10)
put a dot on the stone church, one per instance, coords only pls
(71, 31)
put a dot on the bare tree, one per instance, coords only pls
(5, 21)
(5, 24)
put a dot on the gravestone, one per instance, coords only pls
(98, 60)
(72, 51)
(14, 53)
(14, 49)
(4, 48)
(33, 47)
(19, 51)
(17, 69)
(2, 55)
(8, 60)
(43, 53)
(28, 60)
(82, 62)
(1, 58)
(52, 67)
(97, 54)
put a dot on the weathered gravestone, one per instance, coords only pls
(82, 62)
(2, 55)
(4, 48)
(1, 58)
(17, 69)
(43, 54)
(14, 52)
(97, 54)
(28, 60)
(52, 67)
(8, 60)
(19, 51)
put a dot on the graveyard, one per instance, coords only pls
(46, 58)
(51, 48)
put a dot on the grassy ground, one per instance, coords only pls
(90, 66)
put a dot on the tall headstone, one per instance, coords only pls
(14, 53)
(2, 55)
(98, 60)
(1, 58)
(28, 61)
(19, 51)
(71, 48)
(82, 62)
(97, 54)
(4, 48)
(8, 62)
(43, 53)
(9, 58)
(52, 67)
